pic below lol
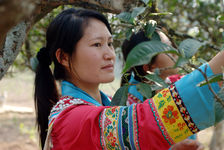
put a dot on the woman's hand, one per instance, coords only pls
(188, 144)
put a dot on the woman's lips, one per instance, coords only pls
(108, 67)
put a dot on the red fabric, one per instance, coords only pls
(174, 78)
(77, 127)
(150, 136)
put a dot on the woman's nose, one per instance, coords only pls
(109, 54)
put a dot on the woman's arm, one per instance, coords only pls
(217, 63)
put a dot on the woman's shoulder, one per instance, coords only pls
(64, 103)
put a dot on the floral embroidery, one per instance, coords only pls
(111, 139)
(61, 105)
(183, 110)
(164, 92)
(160, 124)
(119, 130)
(170, 115)
(109, 128)
(161, 104)
(181, 126)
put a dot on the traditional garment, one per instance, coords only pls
(134, 96)
(78, 122)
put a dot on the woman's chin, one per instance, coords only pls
(108, 80)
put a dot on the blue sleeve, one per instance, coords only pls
(199, 100)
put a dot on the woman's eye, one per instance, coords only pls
(110, 44)
(97, 44)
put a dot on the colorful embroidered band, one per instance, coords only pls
(61, 105)
(168, 116)
(182, 108)
(119, 129)
(132, 99)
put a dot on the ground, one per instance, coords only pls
(17, 117)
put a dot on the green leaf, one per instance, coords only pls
(212, 79)
(144, 89)
(156, 87)
(128, 33)
(181, 61)
(126, 17)
(120, 97)
(202, 60)
(155, 78)
(220, 18)
(145, 1)
(189, 47)
(155, 36)
(137, 11)
(150, 29)
(222, 36)
(144, 52)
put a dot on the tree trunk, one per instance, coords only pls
(22, 14)
(218, 137)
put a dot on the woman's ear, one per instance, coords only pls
(147, 67)
(62, 57)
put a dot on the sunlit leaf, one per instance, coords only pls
(120, 97)
(220, 18)
(150, 29)
(137, 11)
(181, 61)
(189, 47)
(144, 89)
(202, 60)
(212, 79)
(128, 33)
(159, 14)
(144, 52)
(145, 1)
(126, 17)
(155, 78)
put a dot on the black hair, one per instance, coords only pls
(128, 45)
(63, 33)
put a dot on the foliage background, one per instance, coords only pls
(199, 19)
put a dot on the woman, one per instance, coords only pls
(79, 43)
(135, 74)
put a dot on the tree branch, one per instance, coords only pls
(30, 11)
(184, 36)
(209, 86)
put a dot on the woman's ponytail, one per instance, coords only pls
(46, 94)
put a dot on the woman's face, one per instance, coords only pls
(163, 60)
(94, 56)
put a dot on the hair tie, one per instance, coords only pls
(44, 57)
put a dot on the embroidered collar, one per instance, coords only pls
(68, 89)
